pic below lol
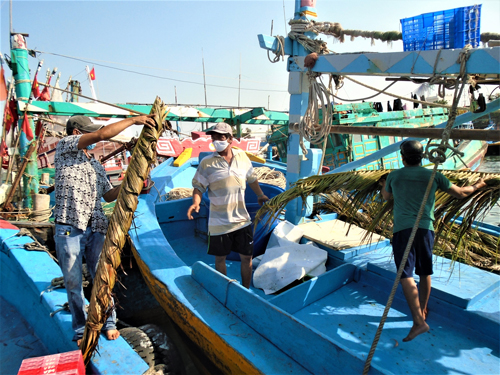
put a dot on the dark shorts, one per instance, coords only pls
(239, 241)
(420, 257)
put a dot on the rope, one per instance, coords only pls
(280, 51)
(270, 176)
(309, 127)
(438, 156)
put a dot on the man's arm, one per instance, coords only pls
(116, 128)
(261, 197)
(465, 191)
(196, 203)
(385, 194)
(112, 194)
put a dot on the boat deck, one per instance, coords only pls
(464, 315)
(17, 339)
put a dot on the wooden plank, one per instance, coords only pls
(336, 234)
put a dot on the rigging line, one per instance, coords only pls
(402, 97)
(145, 67)
(368, 97)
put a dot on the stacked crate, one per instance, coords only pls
(446, 29)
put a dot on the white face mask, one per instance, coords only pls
(220, 145)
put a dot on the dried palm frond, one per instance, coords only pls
(362, 189)
(361, 181)
(142, 158)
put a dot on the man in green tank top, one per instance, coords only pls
(407, 186)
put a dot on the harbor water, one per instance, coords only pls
(491, 164)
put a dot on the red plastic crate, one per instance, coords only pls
(70, 363)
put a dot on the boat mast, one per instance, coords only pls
(91, 84)
(298, 164)
(20, 71)
(204, 86)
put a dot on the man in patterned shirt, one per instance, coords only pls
(81, 225)
(225, 174)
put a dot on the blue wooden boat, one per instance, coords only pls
(323, 325)
(29, 326)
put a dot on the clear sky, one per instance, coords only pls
(160, 44)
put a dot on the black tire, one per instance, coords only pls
(140, 342)
(167, 356)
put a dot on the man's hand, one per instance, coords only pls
(194, 207)
(480, 184)
(145, 120)
(262, 199)
(310, 60)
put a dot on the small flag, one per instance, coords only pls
(27, 128)
(10, 115)
(92, 74)
(4, 150)
(56, 94)
(3, 86)
(35, 89)
(45, 95)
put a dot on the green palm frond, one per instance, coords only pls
(361, 190)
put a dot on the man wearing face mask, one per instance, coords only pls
(225, 174)
(81, 225)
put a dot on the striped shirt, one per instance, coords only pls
(226, 184)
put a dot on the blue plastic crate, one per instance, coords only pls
(453, 28)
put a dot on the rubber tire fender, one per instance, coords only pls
(166, 352)
(140, 342)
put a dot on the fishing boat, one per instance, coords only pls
(34, 323)
(324, 324)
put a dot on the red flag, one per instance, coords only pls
(27, 128)
(45, 95)
(38, 128)
(4, 154)
(35, 89)
(10, 115)
(92, 74)
(3, 86)
(4, 150)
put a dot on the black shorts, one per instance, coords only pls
(420, 257)
(239, 241)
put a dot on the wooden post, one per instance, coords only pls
(7, 205)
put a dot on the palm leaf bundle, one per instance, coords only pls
(474, 247)
(361, 190)
(142, 158)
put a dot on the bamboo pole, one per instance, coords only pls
(7, 205)
(472, 134)
(4, 130)
(142, 158)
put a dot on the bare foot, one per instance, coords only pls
(415, 331)
(112, 334)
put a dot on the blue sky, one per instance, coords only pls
(167, 39)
